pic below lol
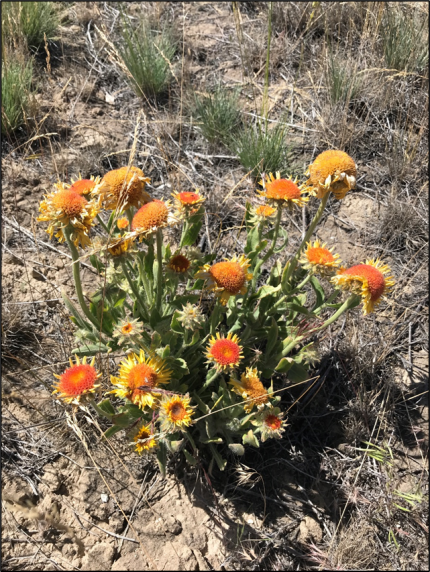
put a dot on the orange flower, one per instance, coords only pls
(152, 216)
(187, 201)
(224, 353)
(77, 381)
(127, 330)
(368, 280)
(227, 278)
(137, 371)
(83, 186)
(175, 413)
(122, 223)
(333, 171)
(66, 207)
(124, 188)
(250, 388)
(282, 192)
(271, 423)
(319, 259)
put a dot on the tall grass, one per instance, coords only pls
(342, 81)
(218, 114)
(16, 80)
(30, 21)
(262, 149)
(147, 54)
(405, 39)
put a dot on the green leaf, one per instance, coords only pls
(98, 264)
(75, 313)
(237, 449)
(210, 377)
(176, 325)
(204, 408)
(192, 232)
(91, 349)
(252, 240)
(215, 318)
(218, 459)
(250, 439)
(272, 337)
(285, 365)
(162, 457)
(299, 309)
(319, 292)
(181, 301)
(190, 459)
(112, 430)
(174, 445)
(106, 406)
(298, 373)
(268, 291)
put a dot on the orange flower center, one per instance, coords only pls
(228, 275)
(69, 202)
(141, 375)
(273, 422)
(188, 198)
(177, 412)
(179, 263)
(153, 214)
(127, 328)
(83, 186)
(264, 210)
(318, 255)
(255, 389)
(77, 379)
(225, 352)
(282, 189)
(375, 278)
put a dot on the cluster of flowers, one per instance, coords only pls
(147, 381)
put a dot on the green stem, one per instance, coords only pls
(271, 249)
(293, 263)
(135, 291)
(77, 277)
(145, 282)
(129, 215)
(99, 218)
(159, 268)
(349, 303)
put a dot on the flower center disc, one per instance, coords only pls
(77, 379)
(228, 275)
(319, 255)
(69, 202)
(273, 422)
(188, 198)
(225, 352)
(153, 214)
(179, 263)
(141, 374)
(127, 329)
(375, 279)
(282, 189)
(177, 412)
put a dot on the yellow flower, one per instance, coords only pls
(224, 353)
(319, 259)
(77, 381)
(250, 388)
(175, 413)
(66, 207)
(333, 171)
(188, 202)
(124, 188)
(282, 192)
(137, 372)
(127, 330)
(122, 223)
(144, 439)
(227, 278)
(152, 216)
(368, 280)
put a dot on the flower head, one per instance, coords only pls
(319, 259)
(271, 423)
(86, 186)
(368, 280)
(282, 192)
(127, 330)
(179, 263)
(250, 388)
(175, 413)
(66, 207)
(191, 317)
(224, 353)
(262, 213)
(227, 278)
(188, 202)
(333, 171)
(136, 372)
(143, 439)
(77, 381)
(152, 216)
(124, 188)
(122, 223)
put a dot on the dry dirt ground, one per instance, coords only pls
(71, 501)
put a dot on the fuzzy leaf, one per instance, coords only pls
(98, 265)
(272, 337)
(195, 224)
(192, 460)
(218, 459)
(285, 365)
(112, 430)
(298, 373)
(106, 406)
(250, 439)
(75, 313)
(162, 457)
(91, 349)
(319, 292)
(237, 449)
